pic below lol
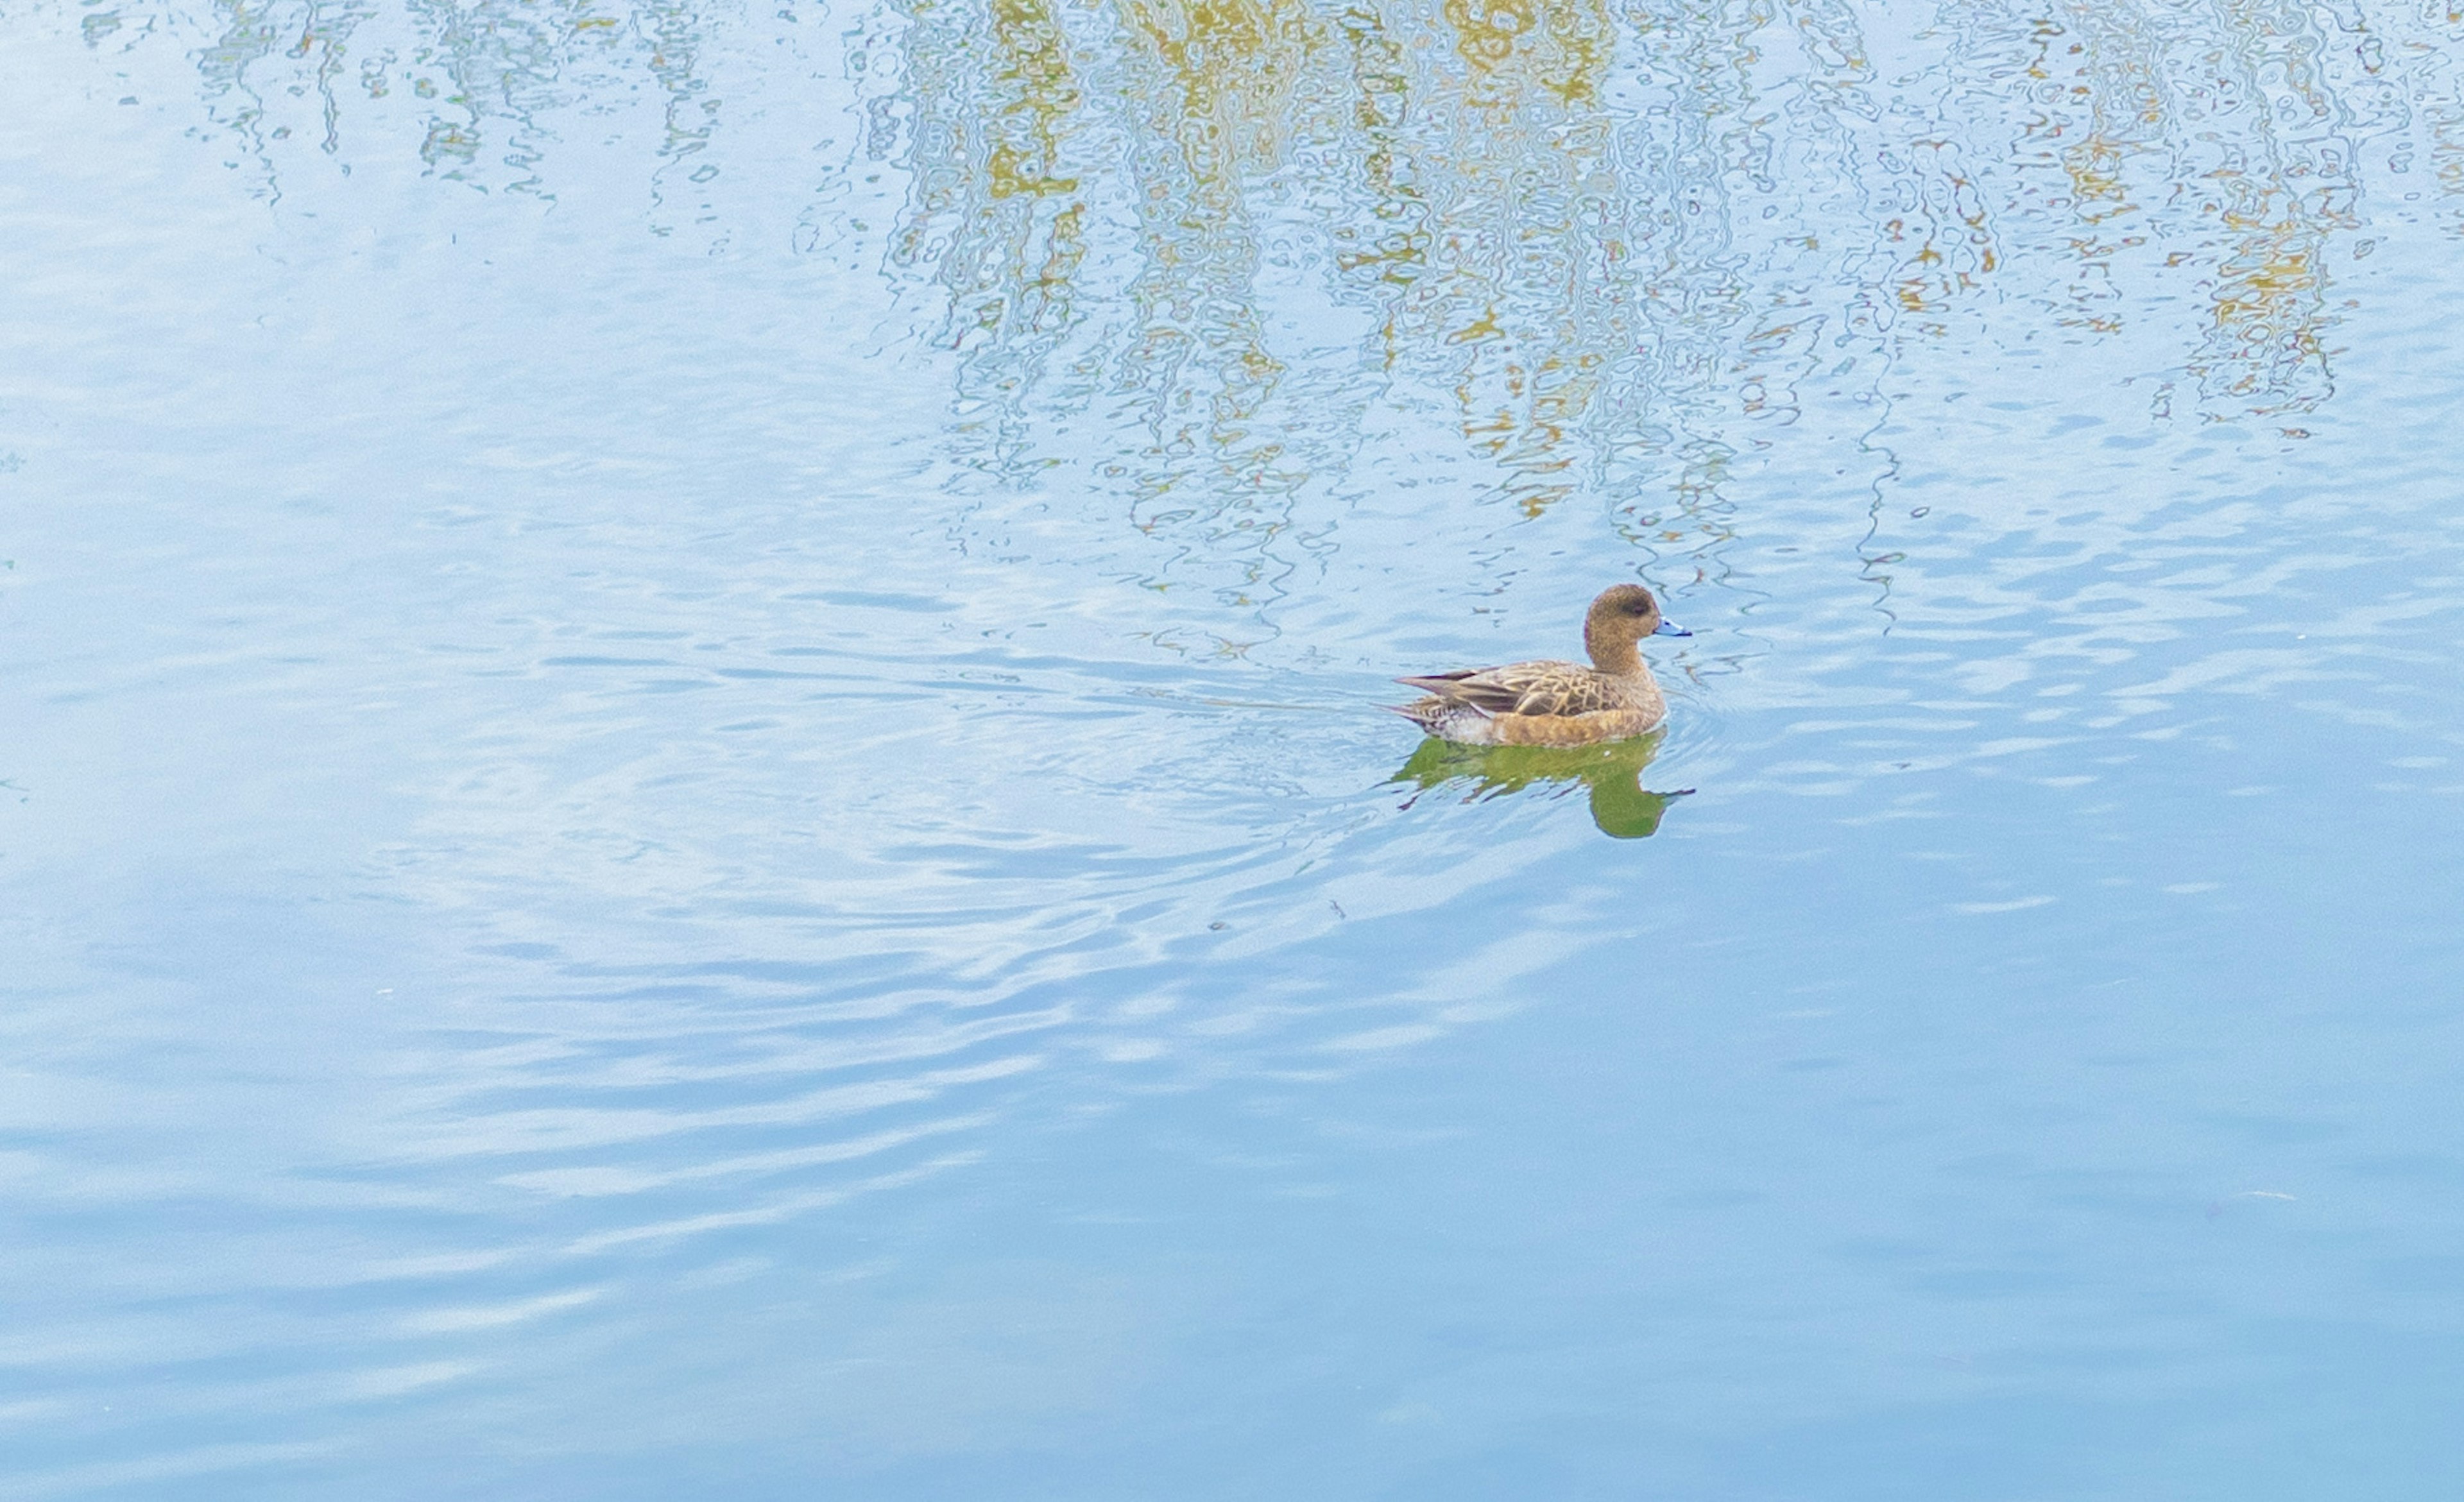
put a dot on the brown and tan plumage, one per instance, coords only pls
(1556, 703)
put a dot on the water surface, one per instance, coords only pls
(694, 800)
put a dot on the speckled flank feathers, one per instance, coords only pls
(1552, 703)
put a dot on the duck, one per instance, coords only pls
(1549, 703)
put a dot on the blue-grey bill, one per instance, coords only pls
(1671, 629)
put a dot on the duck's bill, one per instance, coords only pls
(1671, 629)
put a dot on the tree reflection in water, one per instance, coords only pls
(1194, 261)
(1618, 240)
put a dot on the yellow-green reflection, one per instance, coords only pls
(1618, 244)
(1611, 774)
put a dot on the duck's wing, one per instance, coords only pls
(1523, 688)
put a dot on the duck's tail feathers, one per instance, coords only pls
(1423, 714)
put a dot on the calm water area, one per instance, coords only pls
(692, 800)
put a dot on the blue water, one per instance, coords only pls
(693, 801)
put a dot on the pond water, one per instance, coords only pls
(696, 802)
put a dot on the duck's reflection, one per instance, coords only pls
(1613, 772)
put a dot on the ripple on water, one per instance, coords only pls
(666, 657)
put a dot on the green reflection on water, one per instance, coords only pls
(1611, 774)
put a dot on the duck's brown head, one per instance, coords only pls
(1622, 615)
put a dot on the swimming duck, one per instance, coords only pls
(1556, 703)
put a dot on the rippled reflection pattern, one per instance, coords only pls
(692, 796)
(1611, 775)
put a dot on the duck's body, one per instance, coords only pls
(1536, 704)
(1555, 703)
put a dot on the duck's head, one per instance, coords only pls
(1622, 615)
